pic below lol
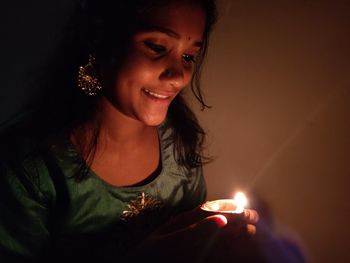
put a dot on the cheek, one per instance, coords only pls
(188, 74)
(140, 69)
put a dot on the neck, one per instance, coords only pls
(117, 132)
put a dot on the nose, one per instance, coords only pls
(174, 74)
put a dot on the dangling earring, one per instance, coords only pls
(88, 80)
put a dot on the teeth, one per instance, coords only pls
(156, 94)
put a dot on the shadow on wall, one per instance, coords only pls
(275, 247)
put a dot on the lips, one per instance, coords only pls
(161, 95)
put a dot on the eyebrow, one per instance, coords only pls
(169, 32)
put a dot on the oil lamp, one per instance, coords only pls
(226, 206)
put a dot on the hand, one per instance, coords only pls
(194, 234)
(246, 221)
(172, 243)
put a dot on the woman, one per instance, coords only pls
(113, 152)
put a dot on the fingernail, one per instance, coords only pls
(221, 220)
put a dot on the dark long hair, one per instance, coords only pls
(65, 108)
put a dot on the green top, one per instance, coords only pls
(43, 208)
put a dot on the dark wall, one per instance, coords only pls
(278, 78)
(30, 31)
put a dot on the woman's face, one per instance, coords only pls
(159, 63)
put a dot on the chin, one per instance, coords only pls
(153, 120)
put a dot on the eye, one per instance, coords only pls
(189, 58)
(155, 47)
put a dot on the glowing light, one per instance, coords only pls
(240, 201)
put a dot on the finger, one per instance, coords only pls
(203, 231)
(196, 233)
(211, 222)
(251, 229)
(251, 216)
(205, 227)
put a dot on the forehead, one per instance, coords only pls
(185, 18)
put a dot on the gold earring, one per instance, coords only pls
(88, 80)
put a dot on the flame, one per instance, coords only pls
(240, 201)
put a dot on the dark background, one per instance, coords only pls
(277, 76)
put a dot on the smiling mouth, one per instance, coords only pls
(156, 95)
